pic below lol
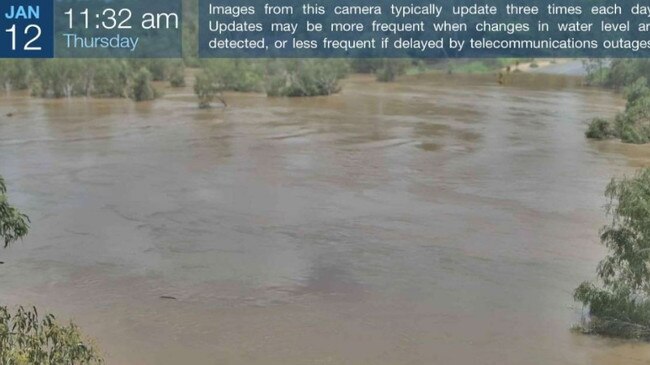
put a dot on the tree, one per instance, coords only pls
(13, 224)
(26, 338)
(620, 305)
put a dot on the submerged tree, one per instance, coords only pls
(140, 86)
(177, 75)
(207, 87)
(620, 304)
(26, 338)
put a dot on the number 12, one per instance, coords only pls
(28, 46)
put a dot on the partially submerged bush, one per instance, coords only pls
(620, 305)
(177, 75)
(206, 87)
(140, 87)
(631, 126)
(26, 338)
(599, 128)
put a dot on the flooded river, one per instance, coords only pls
(437, 220)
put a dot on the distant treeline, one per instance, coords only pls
(133, 78)
(96, 78)
(293, 78)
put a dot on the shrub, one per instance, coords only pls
(620, 305)
(140, 87)
(631, 126)
(177, 75)
(158, 68)
(207, 87)
(599, 129)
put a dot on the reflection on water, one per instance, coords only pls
(441, 219)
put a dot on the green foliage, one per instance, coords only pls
(13, 224)
(158, 68)
(177, 75)
(14, 74)
(109, 78)
(620, 306)
(236, 75)
(26, 338)
(99, 78)
(631, 126)
(140, 86)
(619, 74)
(59, 78)
(206, 87)
(278, 78)
(305, 77)
(221, 75)
(599, 128)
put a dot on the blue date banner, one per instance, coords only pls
(118, 28)
(26, 29)
(424, 29)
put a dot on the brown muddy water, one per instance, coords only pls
(437, 220)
